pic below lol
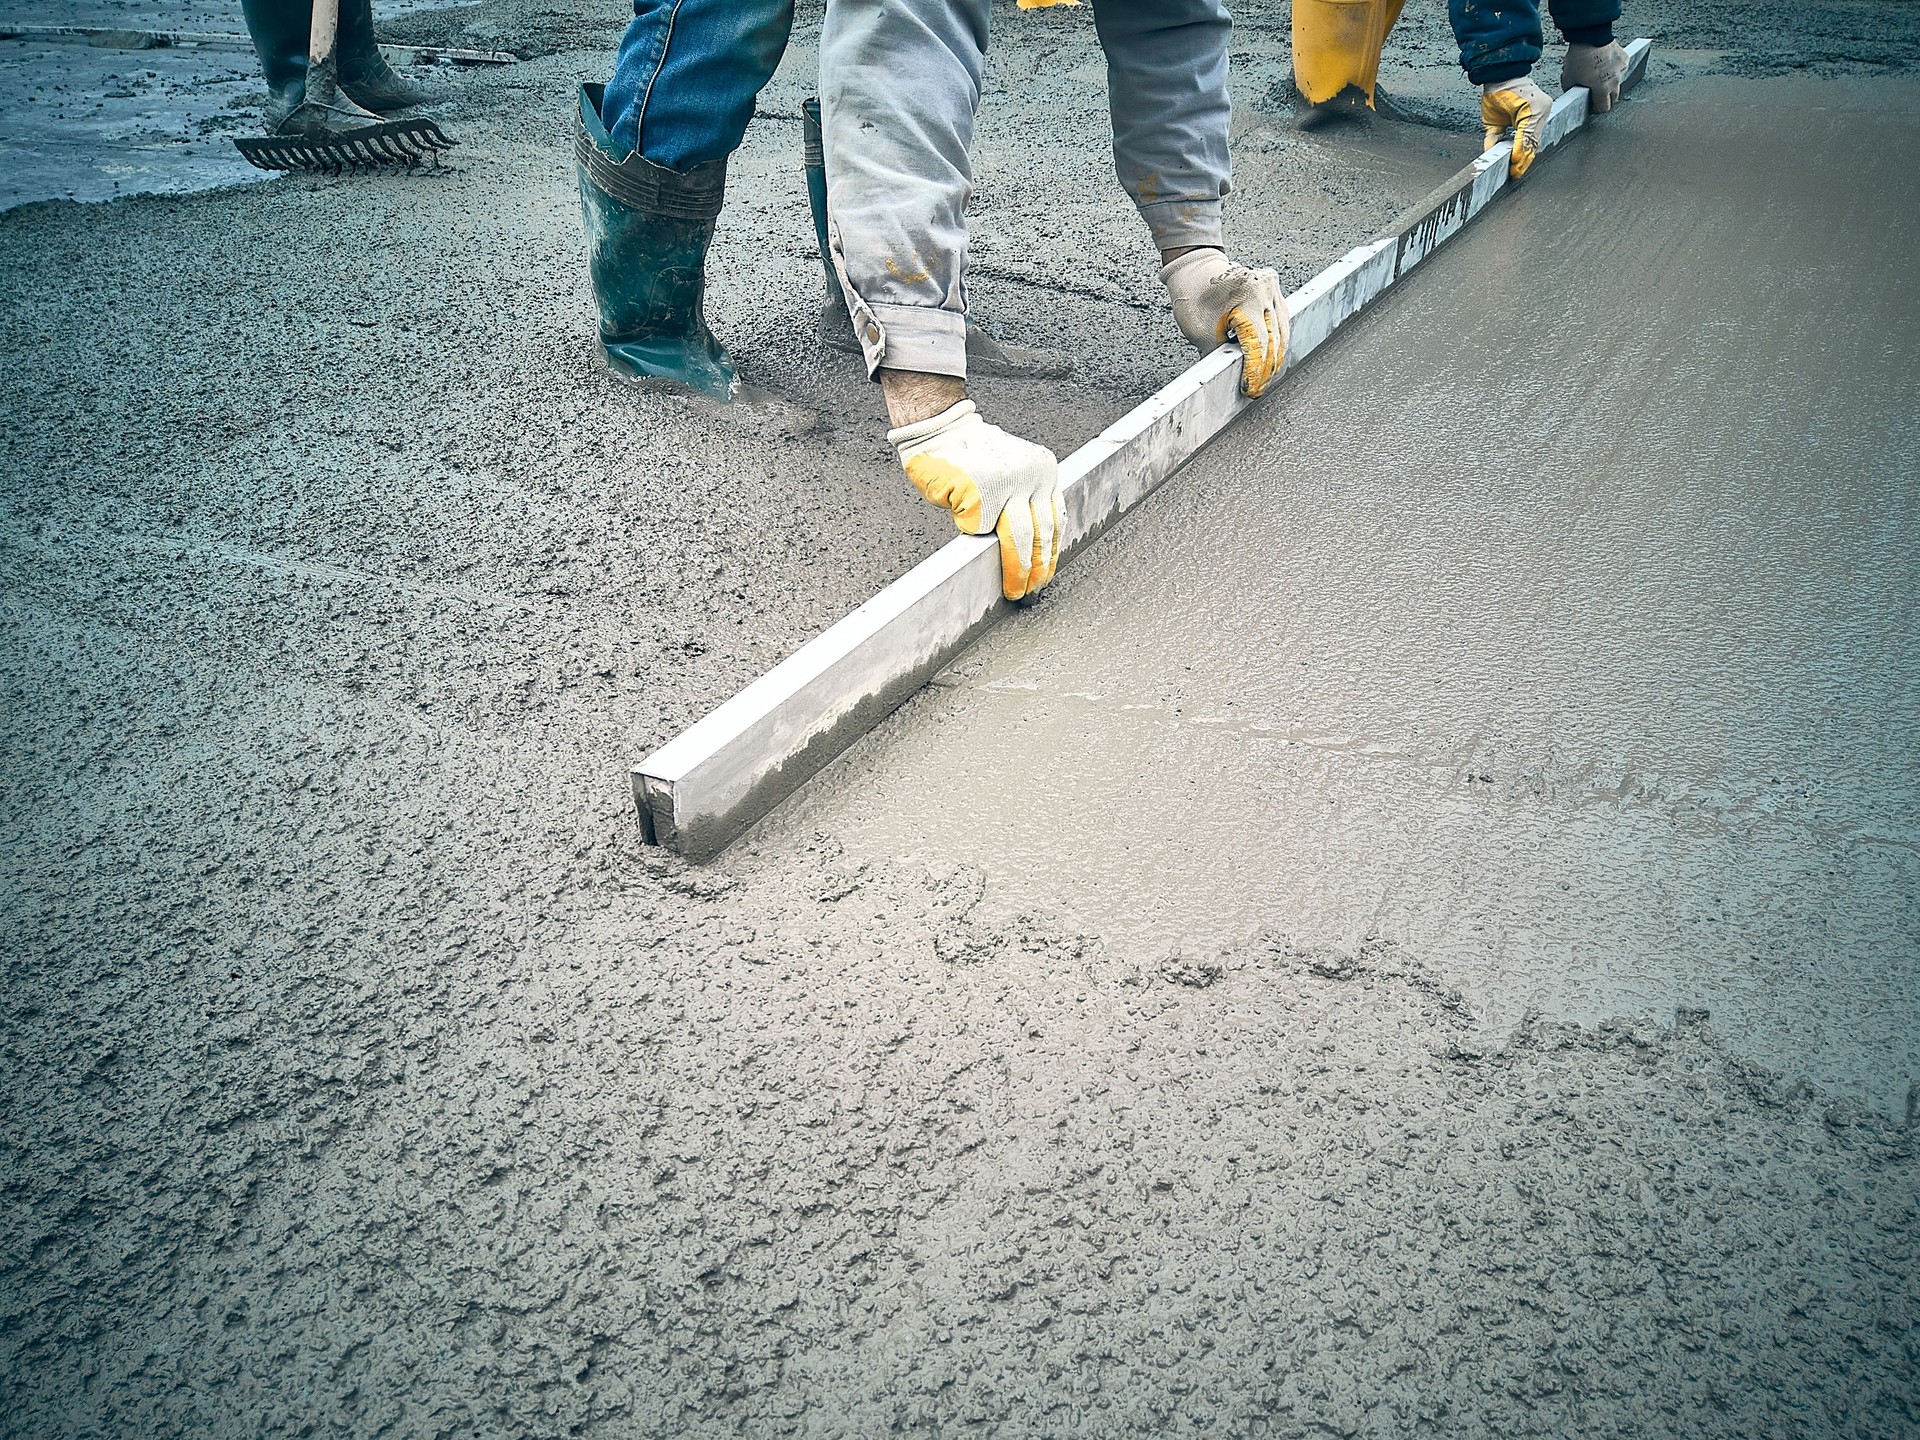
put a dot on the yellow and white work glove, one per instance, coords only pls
(1600, 68)
(990, 481)
(1515, 110)
(1214, 298)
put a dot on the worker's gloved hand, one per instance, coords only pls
(1515, 110)
(990, 481)
(1600, 68)
(1214, 298)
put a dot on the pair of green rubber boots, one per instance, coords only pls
(648, 229)
(281, 30)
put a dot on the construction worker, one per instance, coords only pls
(368, 86)
(1337, 44)
(900, 87)
(651, 148)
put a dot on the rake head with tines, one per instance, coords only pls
(326, 131)
(365, 147)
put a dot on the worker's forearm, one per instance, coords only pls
(914, 395)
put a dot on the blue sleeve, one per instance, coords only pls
(1585, 22)
(1499, 39)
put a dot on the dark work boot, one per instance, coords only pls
(985, 354)
(648, 229)
(280, 31)
(835, 325)
(364, 72)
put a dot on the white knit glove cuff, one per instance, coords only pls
(1187, 278)
(933, 425)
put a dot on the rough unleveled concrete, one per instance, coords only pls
(364, 1075)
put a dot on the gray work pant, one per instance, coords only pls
(899, 90)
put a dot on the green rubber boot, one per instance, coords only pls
(835, 324)
(648, 229)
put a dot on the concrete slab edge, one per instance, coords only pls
(700, 790)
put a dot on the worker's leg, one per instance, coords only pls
(280, 31)
(899, 88)
(1337, 45)
(1499, 39)
(651, 150)
(364, 73)
(687, 75)
(1167, 88)
(1167, 91)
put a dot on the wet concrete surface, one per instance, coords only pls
(1560, 627)
(98, 121)
(362, 1073)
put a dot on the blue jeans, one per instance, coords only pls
(1500, 39)
(687, 75)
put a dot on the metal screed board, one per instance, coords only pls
(698, 792)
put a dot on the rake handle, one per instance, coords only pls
(326, 26)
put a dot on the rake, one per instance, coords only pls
(327, 132)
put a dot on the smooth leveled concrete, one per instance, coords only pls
(1560, 628)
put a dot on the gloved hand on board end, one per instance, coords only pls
(1600, 68)
(990, 481)
(1214, 298)
(1515, 110)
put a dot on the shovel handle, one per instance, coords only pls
(326, 25)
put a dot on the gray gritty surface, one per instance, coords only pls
(363, 1075)
(120, 113)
